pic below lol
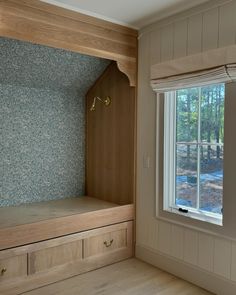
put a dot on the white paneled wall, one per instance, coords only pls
(180, 34)
(210, 29)
(190, 246)
(227, 24)
(233, 263)
(164, 240)
(205, 251)
(167, 42)
(222, 257)
(210, 26)
(202, 31)
(177, 242)
(195, 34)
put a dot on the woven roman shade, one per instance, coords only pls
(212, 67)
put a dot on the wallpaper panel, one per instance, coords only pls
(42, 121)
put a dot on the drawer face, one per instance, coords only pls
(13, 267)
(51, 257)
(104, 242)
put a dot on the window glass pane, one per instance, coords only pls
(198, 129)
(212, 113)
(186, 175)
(187, 115)
(211, 178)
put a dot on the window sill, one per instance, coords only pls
(205, 217)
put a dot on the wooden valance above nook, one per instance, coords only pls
(45, 24)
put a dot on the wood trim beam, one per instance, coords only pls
(46, 24)
(76, 16)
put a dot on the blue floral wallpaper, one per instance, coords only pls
(42, 121)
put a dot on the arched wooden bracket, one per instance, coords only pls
(129, 69)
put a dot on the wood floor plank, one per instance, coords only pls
(129, 277)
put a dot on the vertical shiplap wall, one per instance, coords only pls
(201, 31)
(206, 27)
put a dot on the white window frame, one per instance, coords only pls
(169, 184)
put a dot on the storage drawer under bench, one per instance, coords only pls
(31, 266)
(12, 268)
(108, 239)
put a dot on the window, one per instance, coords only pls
(194, 152)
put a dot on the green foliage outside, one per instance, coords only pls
(206, 104)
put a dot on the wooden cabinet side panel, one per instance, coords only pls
(110, 151)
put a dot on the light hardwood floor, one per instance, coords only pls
(129, 277)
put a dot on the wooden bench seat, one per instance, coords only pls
(35, 222)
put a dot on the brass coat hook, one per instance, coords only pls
(106, 101)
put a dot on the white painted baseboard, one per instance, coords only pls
(195, 275)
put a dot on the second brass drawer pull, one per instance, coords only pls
(108, 244)
(3, 271)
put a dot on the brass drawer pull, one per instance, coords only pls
(3, 271)
(108, 244)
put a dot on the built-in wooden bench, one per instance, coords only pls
(35, 222)
(45, 242)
